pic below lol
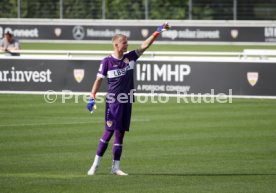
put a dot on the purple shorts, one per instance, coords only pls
(117, 116)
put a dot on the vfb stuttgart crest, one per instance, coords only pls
(252, 78)
(109, 123)
(234, 33)
(79, 74)
(58, 31)
(126, 60)
(145, 32)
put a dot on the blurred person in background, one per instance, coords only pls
(9, 44)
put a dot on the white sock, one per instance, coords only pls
(116, 164)
(97, 161)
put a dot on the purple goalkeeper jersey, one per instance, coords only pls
(119, 73)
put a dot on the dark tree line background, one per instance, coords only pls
(140, 9)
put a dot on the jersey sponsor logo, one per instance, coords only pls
(109, 123)
(120, 72)
(78, 32)
(79, 75)
(252, 78)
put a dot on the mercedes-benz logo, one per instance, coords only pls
(78, 32)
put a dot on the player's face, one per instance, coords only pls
(122, 45)
(8, 37)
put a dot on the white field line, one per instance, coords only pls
(37, 175)
(41, 124)
(136, 94)
(157, 42)
(66, 123)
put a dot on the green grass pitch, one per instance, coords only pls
(171, 148)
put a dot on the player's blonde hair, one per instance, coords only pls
(117, 37)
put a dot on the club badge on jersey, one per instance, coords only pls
(109, 123)
(126, 60)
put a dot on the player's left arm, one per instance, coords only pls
(96, 86)
(91, 105)
(147, 43)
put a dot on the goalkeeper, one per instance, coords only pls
(118, 69)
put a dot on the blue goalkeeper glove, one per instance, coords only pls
(91, 105)
(161, 28)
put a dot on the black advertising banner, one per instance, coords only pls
(43, 75)
(258, 79)
(187, 77)
(196, 77)
(139, 33)
(151, 76)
